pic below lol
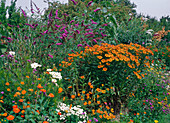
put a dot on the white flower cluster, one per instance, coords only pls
(11, 53)
(149, 31)
(35, 65)
(67, 110)
(55, 75)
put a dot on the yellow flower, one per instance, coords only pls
(121, 114)
(156, 121)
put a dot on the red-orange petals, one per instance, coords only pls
(51, 95)
(39, 86)
(10, 117)
(16, 110)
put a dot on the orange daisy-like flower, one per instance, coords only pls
(21, 100)
(22, 83)
(73, 96)
(30, 90)
(60, 90)
(51, 95)
(104, 69)
(16, 110)
(43, 90)
(23, 92)
(7, 83)
(39, 86)
(8, 89)
(19, 89)
(10, 117)
(5, 114)
(45, 122)
(27, 76)
(14, 106)
(82, 77)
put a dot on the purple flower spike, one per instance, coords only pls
(89, 4)
(29, 60)
(96, 10)
(56, 13)
(2, 55)
(78, 31)
(50, 55)
(96, 120)
(59, 43)
(95, 40)
(79, 45)
(2, 92)
(45, 31)
(13, 101)
(23, 13)
(74, 2)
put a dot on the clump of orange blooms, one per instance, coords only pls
(131, 54)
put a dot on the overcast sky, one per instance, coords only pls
(157, 8)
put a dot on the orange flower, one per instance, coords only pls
(10, 117)
(22, 83)
(98, 102)
(73, 96)
(104, 69)
(14, 106)
(27, 76)
(89, 102)
(85, 103)
(39, 86)
(30, 90)
(70, 87)
(51, 95)
(5, 114)
(144, 112)
(7, 83)
(16, 110)
(64, 98)
(60, 90)
(19, 89)
(45, 122)
(78, 94)
(59, 113)
(89, 83)
(38, 78)
(83, 92)
(99, 57)
(43, 90)
(93, 111)
(23, 92)
(23, 111)
(100, 116)
(8, 89)
(137, 113)
(21, 100)
(38, 111)
(91, 86)
(82, 77)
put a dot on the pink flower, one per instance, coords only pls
(79, 45)
(50, 55)
(96, 10)
(74, 2)
(23, 12)
(94, 40)
(90, 3)
(56, 13)
(59, 43)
